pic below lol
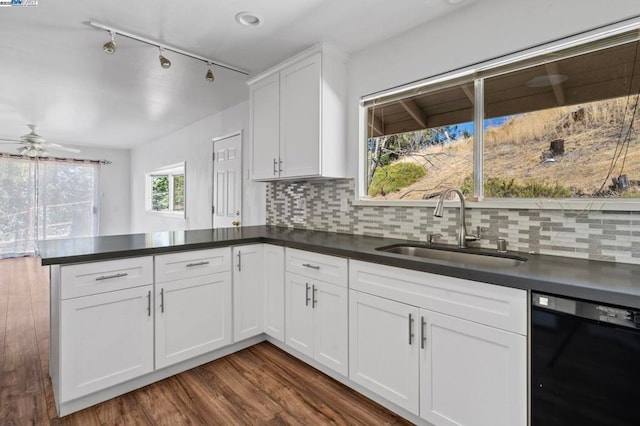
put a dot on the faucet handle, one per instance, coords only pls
(480, 231)
(431, 237)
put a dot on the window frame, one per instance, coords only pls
(596, 39)
(172, 170)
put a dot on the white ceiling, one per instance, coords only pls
(53, 71)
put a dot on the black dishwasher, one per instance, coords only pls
(585, 363)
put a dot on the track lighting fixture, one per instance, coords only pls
(209, 75)
(110, 46)
(164, 62)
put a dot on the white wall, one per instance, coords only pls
(115, 194)
(194, 145)
(478, 32)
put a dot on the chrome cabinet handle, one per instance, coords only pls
(191, 265)
(108, 277)
(162, 300)
(149, 303)
(410, 329)
(239, 261)
(280, 166)
(306, 303)
(423, 335)
(308, 265)
(275, 164)
(314, 293)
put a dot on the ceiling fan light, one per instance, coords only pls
(209, 75)
(110, 46)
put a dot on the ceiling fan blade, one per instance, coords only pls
(60, 147)
(3, 140)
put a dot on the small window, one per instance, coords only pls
(166, 189)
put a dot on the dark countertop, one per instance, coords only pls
(606, 282)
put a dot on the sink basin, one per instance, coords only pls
(464, 256)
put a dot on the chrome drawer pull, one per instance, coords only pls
(108, 277)
(308, 265)
(189, 265)
(149, 303)
(306, 296)
(162, 300)
(423, 324)
(410, 329)
(314, 293)
(239, 262)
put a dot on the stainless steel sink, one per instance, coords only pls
(466, 257)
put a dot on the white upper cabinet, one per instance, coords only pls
(298, 117)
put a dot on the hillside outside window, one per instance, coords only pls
(556, 124)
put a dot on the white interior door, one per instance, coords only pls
(227, 181)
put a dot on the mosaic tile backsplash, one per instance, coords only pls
(598, 235)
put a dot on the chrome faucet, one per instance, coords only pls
(463, 236)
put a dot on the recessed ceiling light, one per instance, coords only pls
(248, 19)
(453, 1)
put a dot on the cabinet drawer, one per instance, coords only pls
(330, 269)
(489, 304)
(187, 264)
(83, 279)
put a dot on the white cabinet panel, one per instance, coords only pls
(299, 314)
(331, 269)
(84, 279)
(193, 317)
(105, 339)
(472, 374)
(300, 100)
(188, 264)
(248, 301)
(497, 306)
(331, 344)
(274, 291)
(384, 348)
(265, 128)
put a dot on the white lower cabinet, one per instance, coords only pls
(273, 274)
(105, 339)
(193, 317)
(316, 320)
(471, 374)
(384, 352)
(418, 340)
(248, 283)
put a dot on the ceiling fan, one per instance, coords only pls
(34, 145)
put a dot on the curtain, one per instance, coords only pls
(44, 199)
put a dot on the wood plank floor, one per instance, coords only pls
(259, 385)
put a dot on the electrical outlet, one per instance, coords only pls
(300, 203)
(344, 205)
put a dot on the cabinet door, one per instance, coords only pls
(248, 308)
(299, 314)
(384, 348)
(330, 307)
(265, 127)
(106, 339)
(193, 316)
(300, 136)
(471, 374)
(274, 291)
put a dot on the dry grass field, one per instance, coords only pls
(592, 134)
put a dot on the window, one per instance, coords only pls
(554, 124)
(166, 189)
(46, 199)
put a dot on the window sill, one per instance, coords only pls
(175, 215)
(589, 204)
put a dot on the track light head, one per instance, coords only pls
(164, 62)
(209, 75)
(110, 46)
